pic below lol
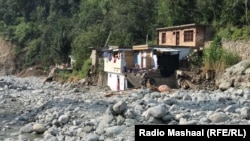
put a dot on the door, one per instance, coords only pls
(118, 83)
(177, 35)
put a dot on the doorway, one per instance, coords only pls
(177, 36)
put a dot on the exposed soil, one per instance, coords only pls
(33, 71)
(9, 65)
(7, 62)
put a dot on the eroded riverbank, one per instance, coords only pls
(65, 112)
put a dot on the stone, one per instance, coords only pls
(164, 88)
(63, 119)
(53, 131)
(87, 129)
(225, 85)
(119, 107)
(27, 128)
(245, 113)
(218, 117)
(114, 130)
(92, 137)
(158, 111)
(38, 128)
(187, 97)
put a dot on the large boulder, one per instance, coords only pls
(235, 76)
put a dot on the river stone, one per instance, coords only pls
(114, 130)
(119, 107)
(218, 117)
(245, 113)
(158, 111)
(38, 128)
(27, 128)
(225, 85)
(63, 119)
(92, 137)
(53, 131)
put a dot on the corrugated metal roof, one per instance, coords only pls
(166, 50)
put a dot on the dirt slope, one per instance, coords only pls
(7, 60)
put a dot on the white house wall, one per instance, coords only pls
(154, 61)
(139, 58)
(122, 82)
(144, 65)
(113, 80)
(112, 66)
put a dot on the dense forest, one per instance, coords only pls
(48, 31)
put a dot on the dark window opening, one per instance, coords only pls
(167, 63)
(188, 36)
(163, 38)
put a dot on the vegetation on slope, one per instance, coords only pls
(46, 32)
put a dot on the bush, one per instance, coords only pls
(84, 71)
(218, 59)
(234, 33)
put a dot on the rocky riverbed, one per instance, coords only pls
(33, 111)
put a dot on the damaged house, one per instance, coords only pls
(126, 67)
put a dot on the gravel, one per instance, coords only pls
(33, 111)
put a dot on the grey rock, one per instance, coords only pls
(129, 113)
(60, 138)
(92, 137)
(27, 128)
(53, 131)
(218, 117)
(119, 107)
(120, 120)
(63, 119)
(71, 138)
(168, 118)
(245, 113)
(230, 108)
(104, 122)
(114, 130)
(187, 97)
(130, 122)
(23, 138)
(204, 120)
(225, 85)
(49, 137)
(247, 96)
(38, 128)
(184, 121)
(169, 101)
(87, 129)
(158, 111)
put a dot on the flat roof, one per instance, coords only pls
(166, 49)
(179, 26)
(122, 49)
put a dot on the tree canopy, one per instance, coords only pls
(48, 31)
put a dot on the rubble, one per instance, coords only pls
(196, 80)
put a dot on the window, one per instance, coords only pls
(163, 38)
(188, 36)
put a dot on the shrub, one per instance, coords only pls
(234, 33)
(85, 67)
(218, 59)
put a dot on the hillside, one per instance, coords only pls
(7, 57)
(46, 32)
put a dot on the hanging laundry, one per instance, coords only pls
(110, 57)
